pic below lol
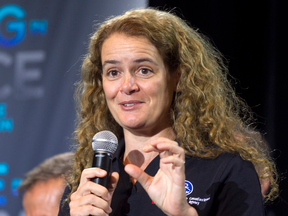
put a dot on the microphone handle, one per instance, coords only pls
(102, 160)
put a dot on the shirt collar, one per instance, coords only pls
(120, 150)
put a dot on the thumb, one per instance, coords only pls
(114, 177)
(143, 178)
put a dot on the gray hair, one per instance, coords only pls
(58, 166)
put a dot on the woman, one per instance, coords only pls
(162, 89)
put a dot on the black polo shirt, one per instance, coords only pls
(227, 185)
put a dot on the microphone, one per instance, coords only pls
(104, 144)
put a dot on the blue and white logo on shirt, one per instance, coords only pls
(188, 187)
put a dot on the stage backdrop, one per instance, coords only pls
(42, 44)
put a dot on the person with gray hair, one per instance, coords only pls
(44, 184)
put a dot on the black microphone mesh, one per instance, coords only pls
(105, 141)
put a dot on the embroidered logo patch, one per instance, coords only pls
(188, 187)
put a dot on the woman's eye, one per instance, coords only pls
(145, 71)
(113, 73)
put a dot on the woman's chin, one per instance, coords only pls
(133, 126)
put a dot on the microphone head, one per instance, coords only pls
(105, 141)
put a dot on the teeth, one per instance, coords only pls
(127, 105)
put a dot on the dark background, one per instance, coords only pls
(252, 35)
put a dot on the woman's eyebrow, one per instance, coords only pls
(140, 60)
(110, 62)
(145, 60)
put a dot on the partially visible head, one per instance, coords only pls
(43, 198)
(43, 186)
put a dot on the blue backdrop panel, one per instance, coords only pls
(42, 44)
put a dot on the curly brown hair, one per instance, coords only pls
(207, 116)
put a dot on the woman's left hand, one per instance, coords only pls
(167, 187)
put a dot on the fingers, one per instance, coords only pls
(91, 198)
(86, 205)
(143, 178)
(166, 148)
(87, 187)
(93, 188)
(90, 173)
(114, 177)
(173, 160)
(87, 210)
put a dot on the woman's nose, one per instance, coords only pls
(129, 84)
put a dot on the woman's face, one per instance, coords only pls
(138, 88)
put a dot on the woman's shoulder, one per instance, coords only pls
(227, 180)
(226, 164)
(222, 159)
